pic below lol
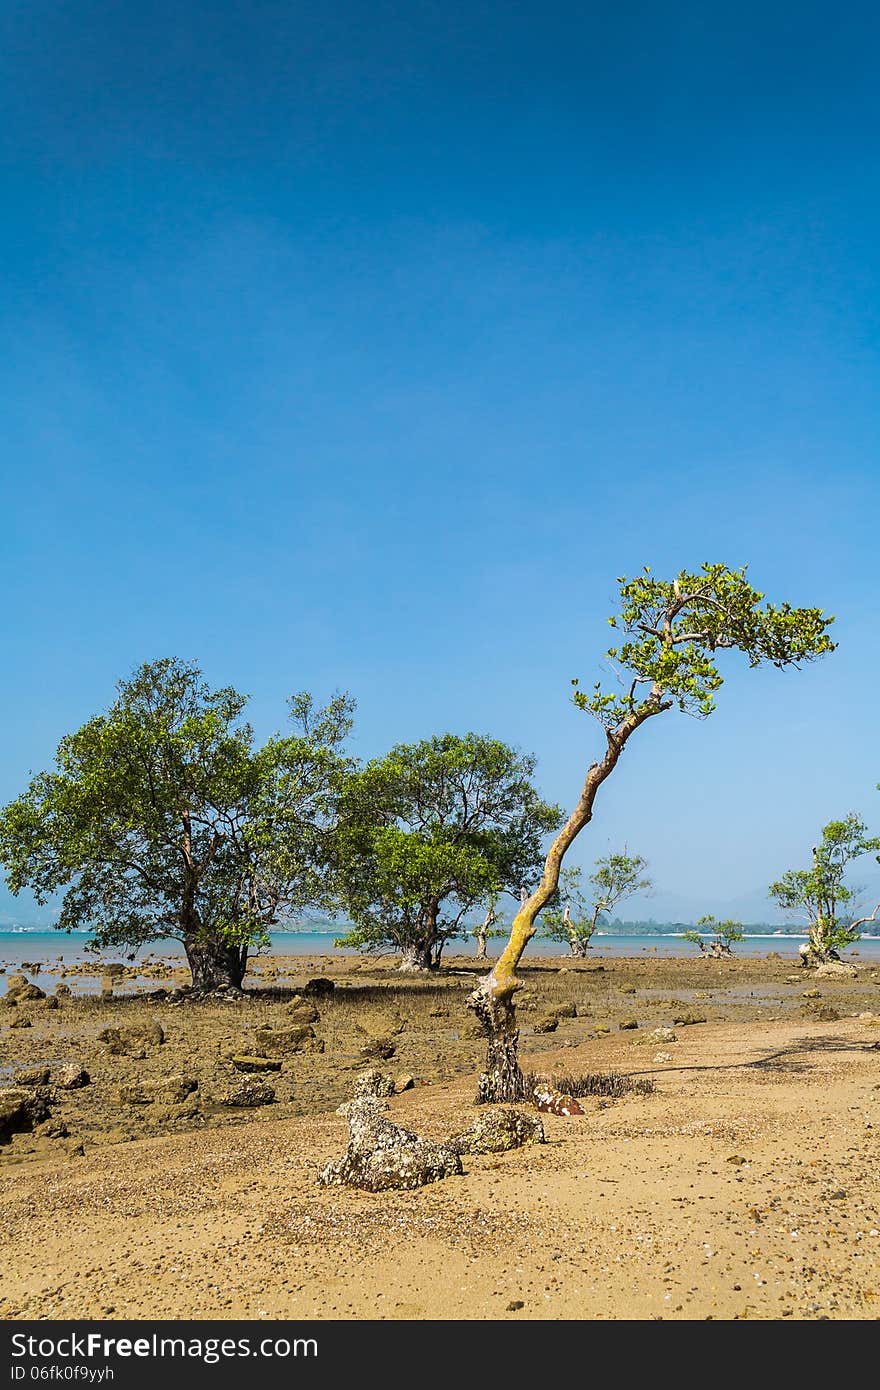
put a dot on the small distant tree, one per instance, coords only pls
(492, 924)
(428, 833)
(821, 897)
(164, 819)
(674, 631)
(723, 936)
(617, 877)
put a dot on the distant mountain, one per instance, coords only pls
(752, 906)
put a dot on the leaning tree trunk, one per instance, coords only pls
(492, 1000)
(215, 964)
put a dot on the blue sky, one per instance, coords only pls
(363, 348)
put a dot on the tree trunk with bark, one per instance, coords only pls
(215, 964)
(493, 999)
(416, 957)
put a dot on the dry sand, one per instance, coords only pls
(747, 1185)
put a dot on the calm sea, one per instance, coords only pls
(29, 945)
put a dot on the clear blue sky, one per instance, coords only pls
(363, 346)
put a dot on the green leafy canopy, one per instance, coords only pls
(674, 631)
(820, 894)
(433, 829)
(163, 818)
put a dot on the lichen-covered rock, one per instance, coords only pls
(566, 1010)
(685, 1017)
(71, 1077)
(166, 1090)
(498, 1130)
(382, 1156)
(840, 968)
(133, 1039)
(19, 989)
(373, 1083)
(31, 1076)
(21, 1109)
(378, 1049)
(282, 1042)
(52, 1129)
(243, 1062)
(248, 1093)
(548, 1024)
(301, 1011)
(657, 1035)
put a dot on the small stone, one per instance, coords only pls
(31, 1076)
(21, 1108)
(836, 967)
(685, 1018)
(131, 1041)
(548, 1024)
(52, 1129)
(628, 1023)
(566, 1010)
(242, 1062)
(71, 1077)
(166, 1090)
(514, 1305)
(404, 1082)
(19, 989)
(282, 1042)
(662, 1057)
(302, 1012)
(21, 1022)
(737, 1160)
(374, 1083)
(811, 994)
(250, 1092)
(628, 989)
(497, 1131)
(380, 1049)
(320, 985)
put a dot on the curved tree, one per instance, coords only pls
(674, 630)
(820, 894)
(162, 818)
(615, 878)
(723, 936)
(429, 832)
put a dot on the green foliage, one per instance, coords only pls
(614, 879)
(820, 893)
(674, 629)
(723, 935)
(162, 818)
(430, 831)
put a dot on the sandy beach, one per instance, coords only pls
(744, 1185)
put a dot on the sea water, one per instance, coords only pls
(26, 945)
